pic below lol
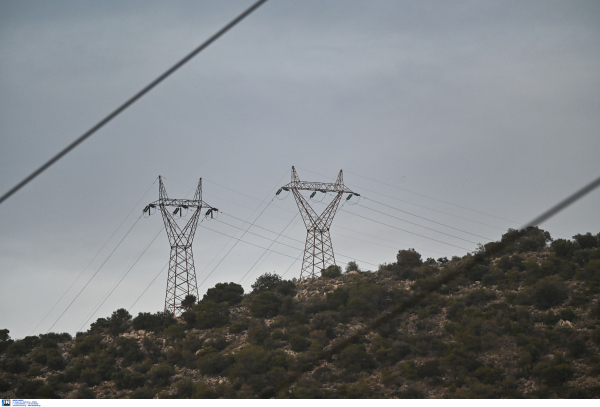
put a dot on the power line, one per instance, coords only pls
(412, 233)
(564, 203)
(226, 254)
(91, 278)
(412, 203)
(421, 217)
(291, 238)
(268, 248)
(122, 278)
(94, 258)
(416, 224)
(132, 100)
(337, 227)
(435, 199)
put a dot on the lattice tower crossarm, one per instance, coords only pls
(181, 280)
(318, 249)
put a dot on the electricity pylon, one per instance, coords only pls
(181, 280)
(318, 251)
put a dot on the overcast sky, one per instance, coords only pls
(475, 115)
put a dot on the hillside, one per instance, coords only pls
(518, 319)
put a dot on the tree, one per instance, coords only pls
(409, 258)
(265, 305)
(188, 302)
(266, 282)
(153, 322)
(563, 248)
(332, 271)
(211, 315)
(548, 293)
(225, 292)
(119, 321)
(352, 266)
(587, 241)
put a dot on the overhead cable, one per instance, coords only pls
(132, 100)
(94, 258)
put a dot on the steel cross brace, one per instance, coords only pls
(318, 250)
(181, 280)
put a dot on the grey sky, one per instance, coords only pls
(492, 106)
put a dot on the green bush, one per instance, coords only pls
(337, 298)
(479, 297)
(84, 392)
(332, 271)
(160, 374)
(225, 292)
(366, 299)
(127, 379)
(265, 305)
(142, 393)
(211, 315)
(548, 292)
(214, 363)
(355, 359)
(325, 321)
(587, 241)
(408, 258)
(266, 282)
(153, 322)
(563, 248)
(555, 373)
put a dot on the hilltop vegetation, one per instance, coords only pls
(524, 323)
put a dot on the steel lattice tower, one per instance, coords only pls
(318, 250)
(181, 280)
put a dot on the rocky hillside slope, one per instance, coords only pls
(523, 323)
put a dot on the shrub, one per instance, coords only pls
(211, 315)
(266, 282)
(337, 298)
(119, 321)
(188, 302)
(5, 340)
(45, 392)
(563, 248)
(356, 359)
(479, 297)
(408, 258)
(174, 332)
(84, 392)
(153, 322)
(239, 326)
(265, 305)
(554, 374)
(250, 361)
(325, 321)
(365, 299)
(332, 271)
(214, 363)
(548, 293)
(352, 266)
(129, 350)
(126, 379)
(587, 241)
(528, 240)
(477, 272)
(225, 292)
(489, 375)
(142, 393)
(160, 374)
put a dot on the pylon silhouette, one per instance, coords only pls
(181, 280)
(318, 250)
